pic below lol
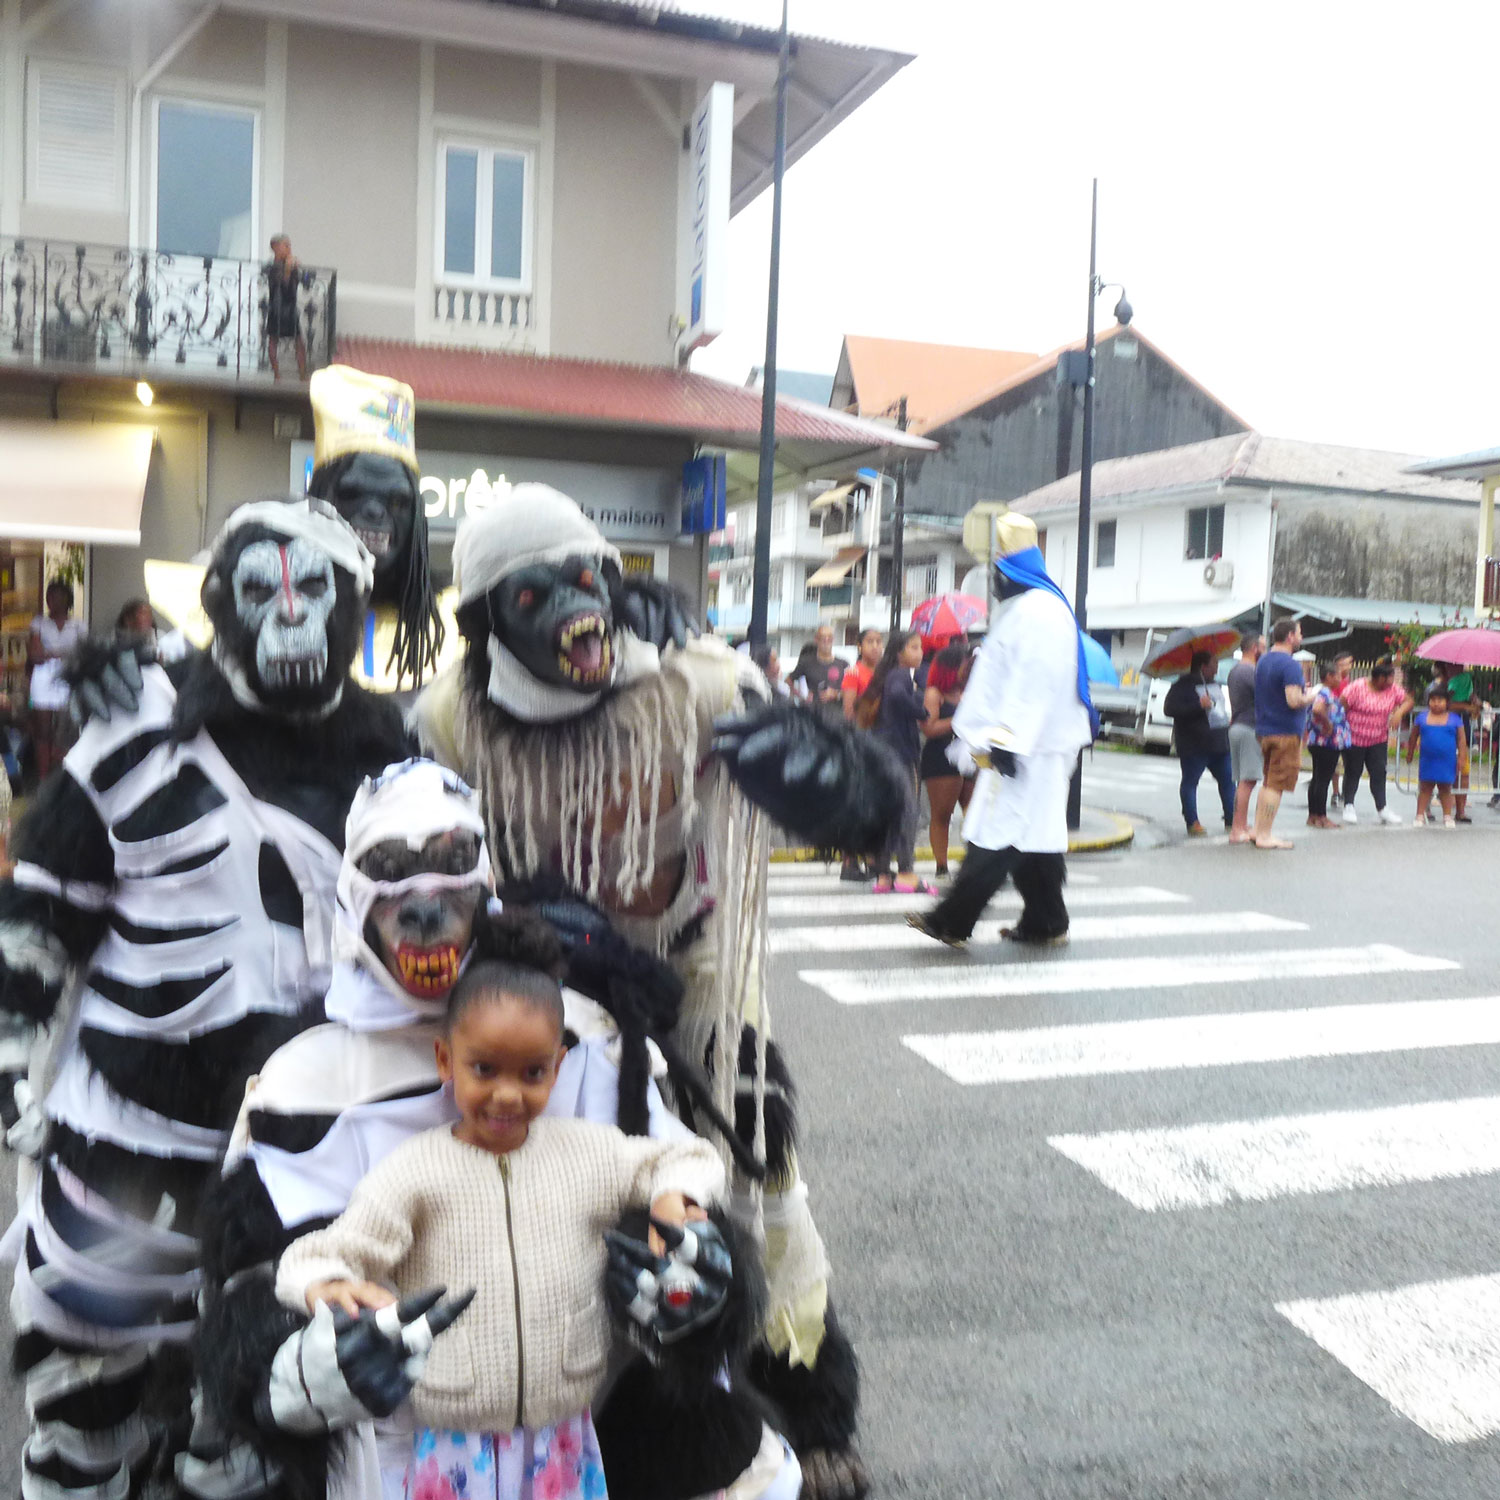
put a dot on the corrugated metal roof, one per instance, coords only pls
(1373, 611)
(578, 392)
(1249, 458)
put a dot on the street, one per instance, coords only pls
(1181, 1209)
(1199, 1205)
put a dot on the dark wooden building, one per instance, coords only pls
(1027, 430)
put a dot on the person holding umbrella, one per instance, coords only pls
(1201, 720)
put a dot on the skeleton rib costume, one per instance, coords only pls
(164, 862)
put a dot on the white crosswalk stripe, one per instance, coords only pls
(1172, 1042)
(959, 981)
(868, 938)
(871, 907)
(1202, 1166)
(798, 879)
(1431, 1349)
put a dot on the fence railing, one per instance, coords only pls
(107, 308)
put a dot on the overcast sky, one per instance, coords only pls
(1300, 198)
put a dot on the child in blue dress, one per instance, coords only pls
(1444, 755)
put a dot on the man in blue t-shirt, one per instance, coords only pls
(1281, 699)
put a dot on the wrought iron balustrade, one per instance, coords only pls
(111, 309)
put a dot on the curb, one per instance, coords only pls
(1120, 835)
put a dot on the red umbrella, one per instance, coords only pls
(1175, 654)
(938, 620)
(1463, 648)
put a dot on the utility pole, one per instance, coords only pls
(760, 585)
(1086, 485)
(898, 528)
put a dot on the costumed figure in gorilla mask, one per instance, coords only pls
(1027, 713)
(611, 763)
(414, 900)
(182, 865)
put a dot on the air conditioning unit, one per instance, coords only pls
(1219, 574)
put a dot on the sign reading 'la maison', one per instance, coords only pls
(626, 504)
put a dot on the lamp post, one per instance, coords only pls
(760, 583)
(1124, 312)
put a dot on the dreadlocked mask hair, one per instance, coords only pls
(420, 631)
(412, 802)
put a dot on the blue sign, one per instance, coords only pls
(705, 483)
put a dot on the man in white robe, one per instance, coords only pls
(1026, 711)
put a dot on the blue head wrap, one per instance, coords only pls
(1028, 569)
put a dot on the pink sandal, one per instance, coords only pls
(883, 886)
(915, 888)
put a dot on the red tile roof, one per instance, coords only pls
(584, 392)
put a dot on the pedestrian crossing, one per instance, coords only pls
(1430, 1350)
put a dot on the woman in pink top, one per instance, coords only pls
(1374, 706)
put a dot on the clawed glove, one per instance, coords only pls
(654, 613)
(1004, 761)
(21, 1116)
(340, 1369)
(670, 1295)
(105, 677)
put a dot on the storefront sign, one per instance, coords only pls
(704, 488)
(704, 215)
(627, 505)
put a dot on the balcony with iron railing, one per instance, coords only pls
(105, 309)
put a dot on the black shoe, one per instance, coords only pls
(1034, 939)
(856, 873)
(919, 920)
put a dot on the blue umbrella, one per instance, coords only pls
(1096, 658)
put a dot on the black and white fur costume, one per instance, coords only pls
(324, 1110)
(182, 864)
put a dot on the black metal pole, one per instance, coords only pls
(898, 530)
(760, 583)
(1086, 484)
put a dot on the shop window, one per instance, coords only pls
(1104, 544)
(484, 216)
(1205, 533)
(206, 179)
(76, 132)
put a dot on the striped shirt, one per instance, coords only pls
(1369, 713)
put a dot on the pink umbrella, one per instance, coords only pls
(940, 619)
(1463, 648)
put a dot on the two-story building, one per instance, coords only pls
(1245, 527)
(517, 209)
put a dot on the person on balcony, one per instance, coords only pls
(284, 277)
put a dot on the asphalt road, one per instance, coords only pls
(1201, 1205)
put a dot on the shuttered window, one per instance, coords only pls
(76, 134)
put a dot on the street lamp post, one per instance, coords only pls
(1123, 314)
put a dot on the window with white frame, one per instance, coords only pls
(1104, 544)
(921, 575)
(773, 585)
(76, 135)
(778, 516)
(484, 213)
(1205, 532)
(207, 169)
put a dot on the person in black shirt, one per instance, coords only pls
(897, 724)
(1202, 742)
(284, 277)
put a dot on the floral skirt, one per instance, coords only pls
(543, 1463)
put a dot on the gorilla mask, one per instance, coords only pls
(286, 592)
(377, 496)
(557, 620)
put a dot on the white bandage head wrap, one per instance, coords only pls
(408, 803)
(527, 525)
(313, 521)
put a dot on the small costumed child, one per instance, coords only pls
(1444, 758)
(516, 1206)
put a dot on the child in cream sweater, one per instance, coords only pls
(515, 1206)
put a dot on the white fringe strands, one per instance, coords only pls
(548, 786)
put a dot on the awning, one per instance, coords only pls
(74, 481)
(831, 497)
(1168, 616)
(837, 570)
(1346, 611)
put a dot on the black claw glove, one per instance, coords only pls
(669, 1296)
(654, 612)
(340, 1369)
(105, 677)
(834, 1474)
(828, 783)
(1004, 761)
